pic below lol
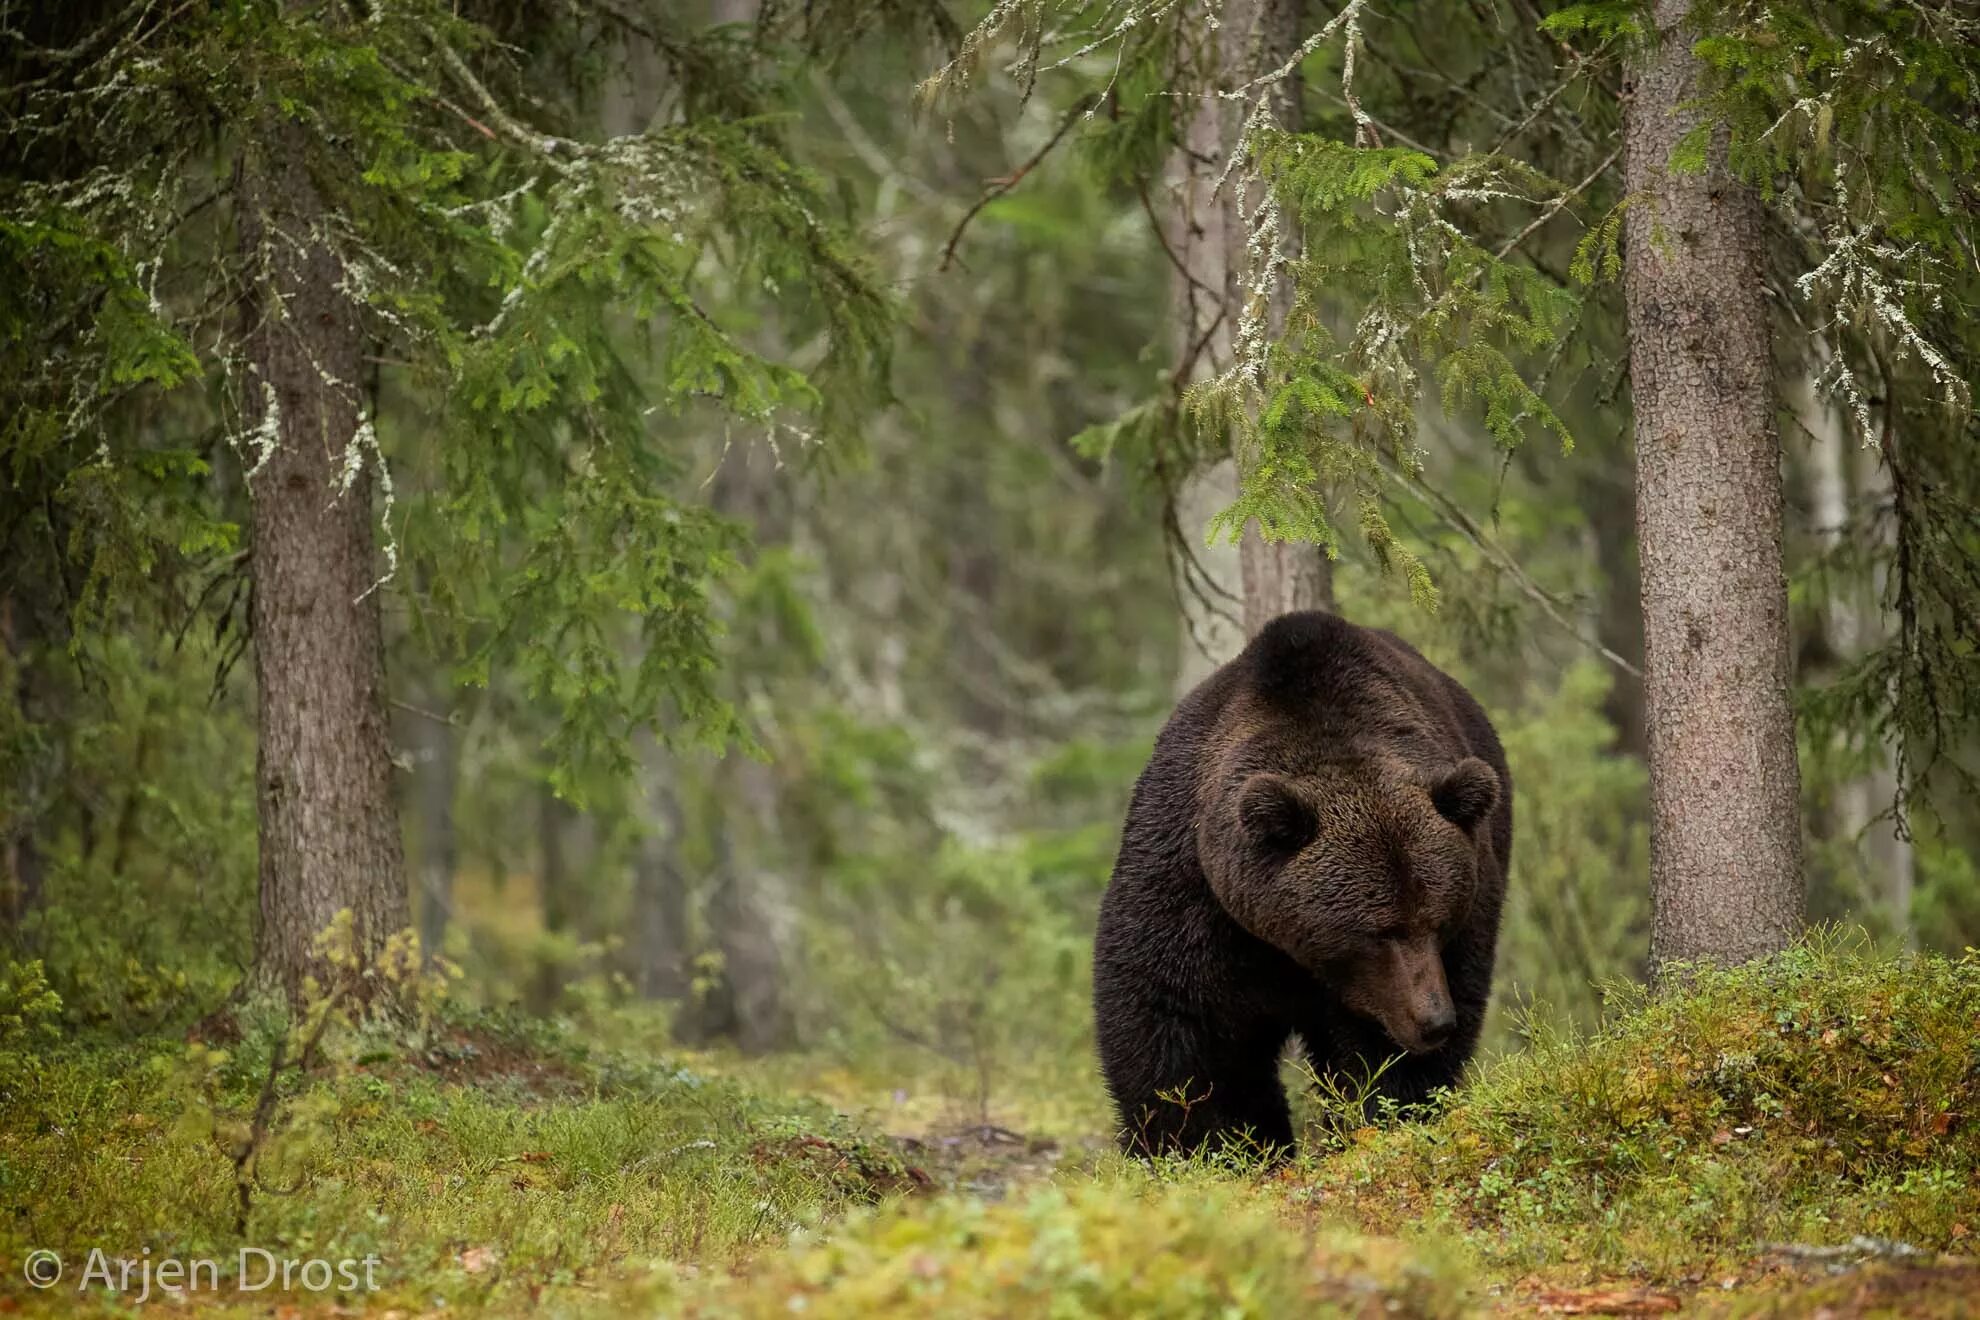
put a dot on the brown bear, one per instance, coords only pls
(1317, 849)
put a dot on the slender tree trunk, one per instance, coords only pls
(21, 863)
(435, 746)
(1724, 785)
(1861, 800)
(1258, 36)
(1608, 494)
(749, 913)
(329, 828)
(1888, 846)
(557, 903)
(1209, 236)
(659, 942)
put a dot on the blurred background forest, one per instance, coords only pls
(940, 591)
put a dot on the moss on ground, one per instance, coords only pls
(1816, 1096)
(1799, 1135)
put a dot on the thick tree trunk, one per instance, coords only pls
(1208, 234)
(329, 828)
(1725, 788)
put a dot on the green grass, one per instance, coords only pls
(1123, 1245)
(1821, 1094)
(495, 1164)
(520, 1174)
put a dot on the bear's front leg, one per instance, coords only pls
(1345, 1053)
(1181, 1086)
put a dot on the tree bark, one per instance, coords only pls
(1259, 36)
(1212, 584)
(328, 825)
(1209, 236)
(1726, 873)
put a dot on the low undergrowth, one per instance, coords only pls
(484, 1166)
(1822, 1094)
(1116, 1246)
(1743, 1145)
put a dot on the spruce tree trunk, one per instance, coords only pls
(1208, 235)
(1259, 36)
(329, 828)
(1724, 785)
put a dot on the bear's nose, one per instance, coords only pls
(1435, 1029)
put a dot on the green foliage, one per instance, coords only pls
(1577, 913)
(148, 840)
(1386, 238)
(502, 268)
(1855, 119)
(1607, 20)
(28, 1010)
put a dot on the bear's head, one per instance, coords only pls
(1361, 872)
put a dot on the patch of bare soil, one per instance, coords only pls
(989, 1162)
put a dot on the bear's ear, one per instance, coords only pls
(1467, 793)
(1275, 816)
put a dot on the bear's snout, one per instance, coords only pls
(1436, 1028)
(1402, 987)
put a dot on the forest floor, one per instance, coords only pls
(1798, 1138)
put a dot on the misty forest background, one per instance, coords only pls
(764, 473)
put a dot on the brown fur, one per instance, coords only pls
(1317, 849)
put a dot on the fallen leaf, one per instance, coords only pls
(476, 1259)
